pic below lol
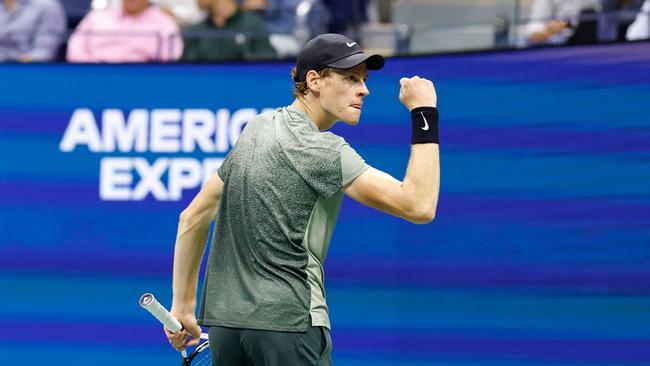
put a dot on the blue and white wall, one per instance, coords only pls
(540, 254)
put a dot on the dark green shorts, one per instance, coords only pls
(251, 347)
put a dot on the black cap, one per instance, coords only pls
(336, 51)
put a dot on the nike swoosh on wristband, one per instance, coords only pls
(350, 44)
(426, 125)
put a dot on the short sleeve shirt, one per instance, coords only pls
(282, 193)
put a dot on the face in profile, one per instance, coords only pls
(342, 93)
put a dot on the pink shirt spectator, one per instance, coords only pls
(111, 35)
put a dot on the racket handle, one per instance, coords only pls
(149, 302)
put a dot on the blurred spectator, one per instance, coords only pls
(135, 32)
(185, 12)
(556, 21)
(30, 30)
(280, 15)
(640, 28)
(290, 23)
(616, 17)
(229, 33)
(259, 6)
(347, 16)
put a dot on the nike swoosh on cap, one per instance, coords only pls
(350, 44)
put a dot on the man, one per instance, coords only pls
(228, 33)
(276, 199)
(135, 32)
(31, 30)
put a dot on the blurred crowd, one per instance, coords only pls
(211, 30)
(166, 30)
(587, 21)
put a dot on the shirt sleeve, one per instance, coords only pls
(224, 170)
(352, 165)
(172, 46)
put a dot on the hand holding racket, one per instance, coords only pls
(200, 356)
(189, 335)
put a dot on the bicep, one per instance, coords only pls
(378, 190)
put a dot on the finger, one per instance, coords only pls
(177, 339)
(195, 331)
(183, 336)
(177, 345)
(171, 335)
(179, 348)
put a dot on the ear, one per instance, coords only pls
(313, 80)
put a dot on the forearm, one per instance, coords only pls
(421, 185)
(422, 181)
(193, 229)
(188, 252)
(416, 197)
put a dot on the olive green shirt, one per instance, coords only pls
(280, 203)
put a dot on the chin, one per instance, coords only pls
(351, 119)
(351, 122)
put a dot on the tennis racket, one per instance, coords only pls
(201, 355)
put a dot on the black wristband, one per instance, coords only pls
(425, 125)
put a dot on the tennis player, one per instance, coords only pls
(276, 200)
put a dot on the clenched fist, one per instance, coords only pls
(417, 92)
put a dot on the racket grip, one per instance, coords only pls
(149, 302)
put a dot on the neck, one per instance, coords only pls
(309, 105)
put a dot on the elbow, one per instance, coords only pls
(423, 215)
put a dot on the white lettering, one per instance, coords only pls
(165, 130)
(237, 122)
(133, 178)
(221, 138)
(183, 173)
(150, 179)
(115, 131)
(210, 166)
(82, 130)
(115, 179)
(198, 127)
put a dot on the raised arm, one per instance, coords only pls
(416, 197)
(193, 229)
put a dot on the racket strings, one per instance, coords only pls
(201, 356)
(202, 359)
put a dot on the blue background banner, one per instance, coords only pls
(539, 255)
